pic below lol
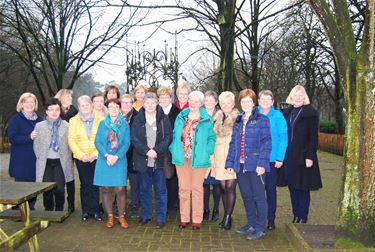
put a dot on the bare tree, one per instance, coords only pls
(54, 38)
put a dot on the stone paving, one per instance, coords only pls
(74, 235)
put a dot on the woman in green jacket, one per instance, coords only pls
(192, 145)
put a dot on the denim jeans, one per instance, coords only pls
(134, 188)
(253, 193)
(300, 202)
(153, 177)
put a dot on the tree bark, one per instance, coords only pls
(356, 215)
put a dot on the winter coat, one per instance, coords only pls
(258, 143)
(279, 134)
(139, 139)
(129, 153)
(72, 111)
(80, 144)
(223, 129)
(22, 156)
(203, 141)
(41, 146)
(302, 145)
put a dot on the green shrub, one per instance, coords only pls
(327, 126)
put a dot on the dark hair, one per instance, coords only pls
(96, 95)
(51, 102)
(117, 101)
(111, 87)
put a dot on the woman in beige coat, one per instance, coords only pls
(54, 161)
(224, 120)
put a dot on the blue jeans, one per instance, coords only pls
(300, 202)
(271, 180)
(252, 188)
(156, 178)
(134, 188)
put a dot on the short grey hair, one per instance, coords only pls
(84, 98)
(151, 95)
(197, 95)
(266, 92)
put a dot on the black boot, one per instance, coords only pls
(221, 222)
(215, 215)
(206, 215)
(227, 222)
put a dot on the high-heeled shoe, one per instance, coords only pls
(123, 223)
(110, 221)
(206, 215)
(215, 215)
(227, 222)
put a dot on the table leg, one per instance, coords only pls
(25, 216)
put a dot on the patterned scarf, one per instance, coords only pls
(33, 116)
(112, 136)
(87, 121)
(187, 136)
(54, 145)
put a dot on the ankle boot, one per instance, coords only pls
(215, 215)
(222, 222)
(227, 224)
(206, 215)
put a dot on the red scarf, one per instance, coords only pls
(179, 106)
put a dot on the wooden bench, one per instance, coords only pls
(52, 216)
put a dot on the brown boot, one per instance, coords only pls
(110, 221)
(122, 221)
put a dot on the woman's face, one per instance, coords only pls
(165, 100)
(227, 105)
(210, 102)
(194, 104)
(140, 94)
(67, 100)
(183, 96)
(98, 103)
(247, 104)
(113, 109)
(298, 98)
(126, 105)
(265, 102)
(85, 108)
(53, 112)
(150, 105)
(28, 105)
(112, 94)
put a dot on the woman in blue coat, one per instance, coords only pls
(248, 156)
(112, 142)
(21, 135)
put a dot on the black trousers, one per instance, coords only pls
(70, 189)
(54, 199)
(172, 189)
(88, 191)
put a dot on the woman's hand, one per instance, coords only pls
(152, 154)
(33, 135)
(260, 170)
(111, 159)
(309, 163)
(278, 164)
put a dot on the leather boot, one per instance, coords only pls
(227, 224)
(206, 215)
(215, 215)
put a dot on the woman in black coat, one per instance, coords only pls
(170, 109)
(150, 137)
(301, 169)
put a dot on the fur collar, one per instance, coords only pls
(223, 127)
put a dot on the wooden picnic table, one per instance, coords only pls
(17, 194)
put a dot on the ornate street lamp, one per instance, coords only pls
(154, 67)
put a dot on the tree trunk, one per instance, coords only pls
(356, 215)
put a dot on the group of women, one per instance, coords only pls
(177, 149)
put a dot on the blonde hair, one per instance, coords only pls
(183, 85)
(63, 92)
(226, 95)
(294, 90)
(127, 96)
(22, 99)
(138, 87)
(164, 91)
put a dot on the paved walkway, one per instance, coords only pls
(73, 235)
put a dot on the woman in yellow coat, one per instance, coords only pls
(82, 133)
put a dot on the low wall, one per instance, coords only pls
(333, 143)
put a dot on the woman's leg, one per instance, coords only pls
(197, 193)
(121, 199)
(107, 199)
(184, 174)
(230, 195)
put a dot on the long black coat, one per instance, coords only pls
(129, 153)
(302, 145)
(139, 139)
